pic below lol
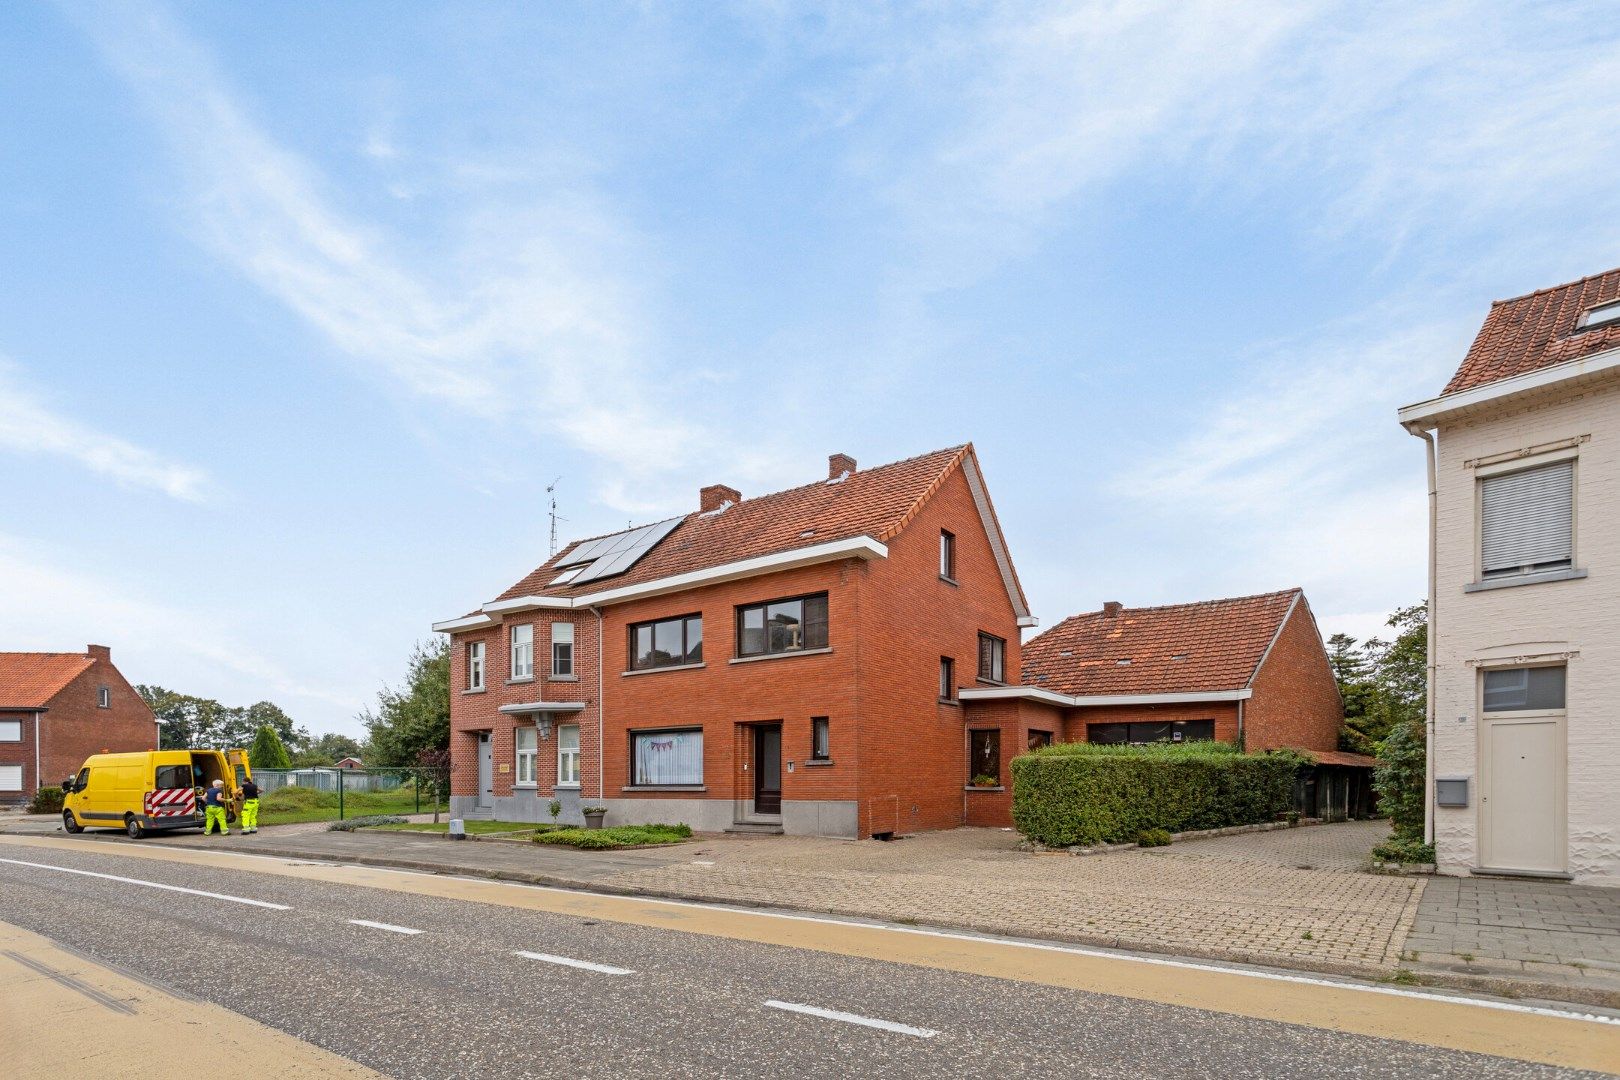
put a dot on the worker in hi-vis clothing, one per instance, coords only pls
(214, 809)
(250, 806)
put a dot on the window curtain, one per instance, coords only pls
(669, 757)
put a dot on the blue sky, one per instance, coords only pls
(303, 305)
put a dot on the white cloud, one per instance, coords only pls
(28, 425)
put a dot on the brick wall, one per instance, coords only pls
(21, 753)
(1296, 701)
(76, 727)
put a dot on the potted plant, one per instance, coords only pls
(984, 780)
(594, 816)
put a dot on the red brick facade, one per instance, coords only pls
(55, 698)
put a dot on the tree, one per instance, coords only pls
(268, 751)
(417, 717)
(203, 723)
(1383, 683)
(329, 749)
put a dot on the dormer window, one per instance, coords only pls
(1601, 315)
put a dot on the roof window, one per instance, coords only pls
(1180, 656)
(1601, 315)
(1124, 663)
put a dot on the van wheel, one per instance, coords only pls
(132, 827)
(71, 823)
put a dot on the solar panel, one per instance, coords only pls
(611, 555)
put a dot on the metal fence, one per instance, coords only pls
(358, 792)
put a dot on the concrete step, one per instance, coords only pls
(757, 828)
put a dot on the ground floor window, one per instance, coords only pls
(524, 739)
(1038, 739)
(666, 757)
(568, 755)
(820, 739)
(984, 755)
(1151, 731)
(11, 777)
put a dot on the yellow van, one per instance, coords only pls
(157, 789)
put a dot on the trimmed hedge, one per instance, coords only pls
(1084, 794)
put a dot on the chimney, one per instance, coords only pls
(715, 496)
(1112, 608)
(99, 652)
(838, 465)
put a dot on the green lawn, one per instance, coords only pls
(289, 805)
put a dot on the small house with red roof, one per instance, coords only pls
(56, 709)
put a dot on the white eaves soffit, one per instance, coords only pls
(1427, 414)
(1035, 693)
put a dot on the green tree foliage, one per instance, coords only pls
(267, 751)
(1398, 780)
(202, 723)
(1382, 682)
(416, 718)
(329, 749)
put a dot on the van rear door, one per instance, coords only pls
(239, 765)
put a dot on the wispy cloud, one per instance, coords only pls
(29, 425)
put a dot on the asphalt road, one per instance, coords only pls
(602, 998)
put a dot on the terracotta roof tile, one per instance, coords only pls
(28, 680)
(1337, 757)
(1531, 332)
(875, 502)
(1182, 648)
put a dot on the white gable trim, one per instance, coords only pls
(466, 622)
(998, 543)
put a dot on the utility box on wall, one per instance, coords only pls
(1451, 791)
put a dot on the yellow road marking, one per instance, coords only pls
(51, 998)
(1451, 1023)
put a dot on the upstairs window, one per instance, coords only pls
(475, 665)
(1527, 520)
(666, 643)
(523, 651)
(947, 555)
(10, 731)
(947, 679)
(992, 658)
(103, 697)
(782, 626)
(1601, 315)
(562, 649)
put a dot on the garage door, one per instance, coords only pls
(11, 777)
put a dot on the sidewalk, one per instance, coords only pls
(1295, 898)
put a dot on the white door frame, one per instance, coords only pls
(1560, 839)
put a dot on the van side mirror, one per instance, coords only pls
(67, 785)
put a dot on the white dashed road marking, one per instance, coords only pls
(566, 962)
(151, 884)
(390, 927)
(851, 1018)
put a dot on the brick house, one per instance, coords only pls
(1249, 670)
(1523, 452)
(790, 662)
(56, 709)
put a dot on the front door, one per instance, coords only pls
(1522, 801)
(768, 769)
(486, 772)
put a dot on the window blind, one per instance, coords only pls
(1527, 519)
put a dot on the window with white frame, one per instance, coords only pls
(523, 740)
(562, 648)
(10, 731)
(1527, 520)
(666, 757)
(568, 755)
(475, 665)
(523, 651)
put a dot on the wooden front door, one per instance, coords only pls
(768, 769)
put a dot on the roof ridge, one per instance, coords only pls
(928, 493)
(74, 655)
(1556, 288)
(1194, 603)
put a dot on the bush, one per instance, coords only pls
(1404, 851)
(1085, 793)
(1153, 838)
(47, 800)
(351, 824)
(1399, 780)
(618, 837)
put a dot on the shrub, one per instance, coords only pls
(47, 800)
(351, 824)
(1399, 780)
(984, 780)
(618, 837)
(1404, 851)
(1085, 793)
(1153, 838)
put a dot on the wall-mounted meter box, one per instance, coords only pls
(1451, 791)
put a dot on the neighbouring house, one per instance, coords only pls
(56, 709)
(1524, 590)
(791, 662)
(348, 763)
(1249, 670)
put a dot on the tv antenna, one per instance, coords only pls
(551, 494)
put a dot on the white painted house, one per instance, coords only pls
(1524, 595)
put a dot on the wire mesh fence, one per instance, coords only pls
(333, 794)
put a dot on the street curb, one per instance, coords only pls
(1496, 985)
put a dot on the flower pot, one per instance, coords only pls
(594, 821)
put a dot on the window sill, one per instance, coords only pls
(659, 670)
(982, 681)
(479, 690)
(952, 702)
(976, 787)
(562, 678)
(816, 763)
(664, 787)
(565, 787)
(1488, 584)
(519, 679)
(950, 581)
(525, 787)
(779, 655)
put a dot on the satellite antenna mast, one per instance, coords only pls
(551, 493)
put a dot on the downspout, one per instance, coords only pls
(38, 781)
(1429, 703)
(601, 707)
(1243, 741)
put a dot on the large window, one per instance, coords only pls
(984, 755)
(1535, 689)
(947, 555)
(10, 731)
(992, 658)
(666, 757)
(1527, 520)
(523, 651)
(523, 739)
(666, 643)
(820, 739)
(562, 649)
(1152, 731)
(568, 755)
(947, 679)
(782, 626)
(475, 665)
